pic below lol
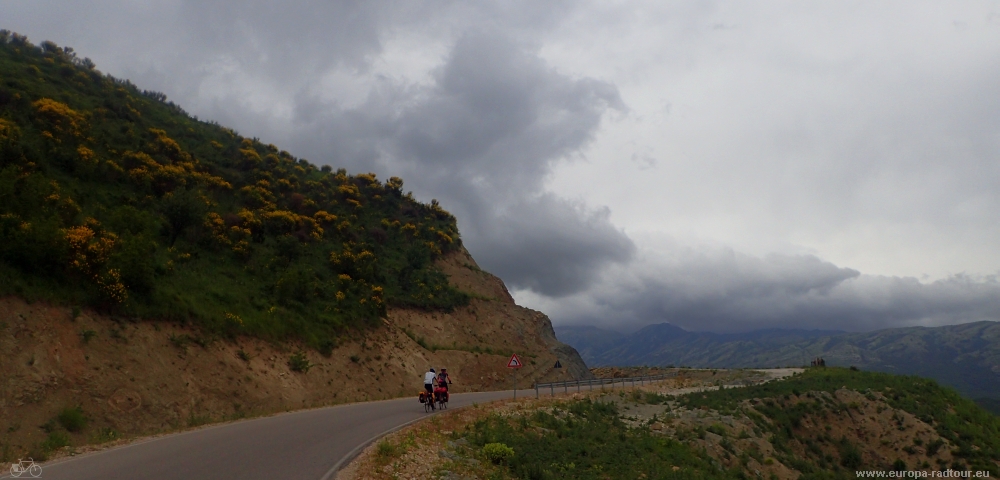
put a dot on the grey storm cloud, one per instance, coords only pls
(483, 137)
(722, 290)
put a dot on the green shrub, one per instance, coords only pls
(933, 447)
(299, 363)
(55, 441)
(326, 347)
(850, 456)
(718, 429)
(497, 452)
(386, 449)
(72, 419)
(87, 335)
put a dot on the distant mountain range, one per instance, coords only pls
(966, 357)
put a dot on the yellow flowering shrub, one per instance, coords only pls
(323, 217)
(59, 116)
(8, 130)
(166, 145)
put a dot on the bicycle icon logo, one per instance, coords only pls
(33, 469)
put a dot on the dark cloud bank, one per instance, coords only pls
(725, 291)
(483, 137)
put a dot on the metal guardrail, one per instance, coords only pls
(600, 381)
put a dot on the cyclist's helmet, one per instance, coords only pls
(432, 370)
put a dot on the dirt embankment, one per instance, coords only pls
(133, 378)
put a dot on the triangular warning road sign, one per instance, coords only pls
(514, 362)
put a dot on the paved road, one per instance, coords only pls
(301, 445)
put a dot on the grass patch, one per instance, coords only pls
(54, 441)
(198, 420)
(387, 450)
(105, 435)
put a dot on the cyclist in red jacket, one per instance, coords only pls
(443, 380)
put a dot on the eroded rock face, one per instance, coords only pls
(139, 377)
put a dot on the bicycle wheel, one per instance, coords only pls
(35, 471)
(15, 470)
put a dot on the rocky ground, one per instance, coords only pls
(131, 378)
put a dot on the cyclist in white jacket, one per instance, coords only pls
(429, 385)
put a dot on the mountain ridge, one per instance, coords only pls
(965, 356)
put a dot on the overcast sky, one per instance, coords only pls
(721, 166)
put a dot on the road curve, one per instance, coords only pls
(298, 445)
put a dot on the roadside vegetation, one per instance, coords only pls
(973, 432)
(115, 198)
(825, 423)
(587, 439)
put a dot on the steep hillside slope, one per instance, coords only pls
(132, 377)
(966, 357)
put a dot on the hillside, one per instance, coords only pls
(114, 198)
(966, 357)
(822, 424)
(158, 272)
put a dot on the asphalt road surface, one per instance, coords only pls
(303, 445)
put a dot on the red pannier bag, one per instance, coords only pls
(441, 392)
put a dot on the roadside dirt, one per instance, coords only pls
(135, 378)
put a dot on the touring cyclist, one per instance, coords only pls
(429, 385)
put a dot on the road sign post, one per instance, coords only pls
(514, 363)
